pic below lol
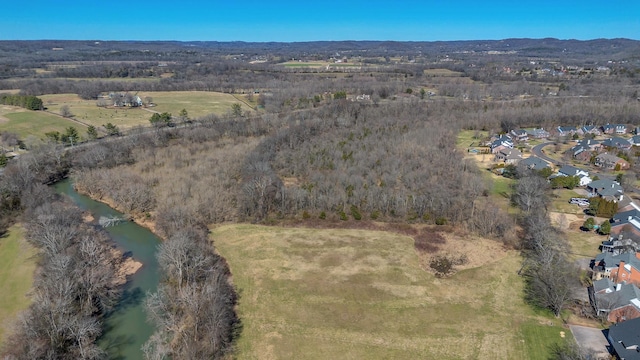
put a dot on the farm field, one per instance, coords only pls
(318, 64)
(356, 294)
(17, 265)
(197, 104)
(25, 122)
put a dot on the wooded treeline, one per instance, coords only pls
(551, 278)
(393, 162)
(76, 283)
(194, 307)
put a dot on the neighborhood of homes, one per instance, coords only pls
(615, 293)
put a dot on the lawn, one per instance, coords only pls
(355, 294)
(17, 265)
(560, 202)
(37, 123)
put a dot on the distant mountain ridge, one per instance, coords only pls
(596, 49)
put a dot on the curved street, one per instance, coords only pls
(539, 152)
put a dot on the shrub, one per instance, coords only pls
(323, 215)
(305, 215)
(343, 216)
(441, 221)
(375, 215)
(355, 213)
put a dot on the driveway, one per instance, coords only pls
(591, 340)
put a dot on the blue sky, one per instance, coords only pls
(249, 20)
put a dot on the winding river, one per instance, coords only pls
(126, 329)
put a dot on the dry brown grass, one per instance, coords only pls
(362, 294)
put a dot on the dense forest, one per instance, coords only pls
(309, 152)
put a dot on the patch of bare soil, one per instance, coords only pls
(566, 221)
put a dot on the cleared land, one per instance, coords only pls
(355, 294)
(25, 122)
(17, 265)
(197, 103)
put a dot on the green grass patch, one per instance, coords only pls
(17, 265)
(319, 294)
(466, 139)
(560, 202)
(539, 338)
(36, 123)
(197, 104)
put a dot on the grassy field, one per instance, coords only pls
(442, 72)
(17, 265)
(37, 123)
(354, 294)
(197, 103)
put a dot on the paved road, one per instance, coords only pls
(539, 152)
(591, 339)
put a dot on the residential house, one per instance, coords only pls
(501, 143)
(608, 161)
(624, 338)
(617, 143)
(605, 188)
(628, 221)
(569, 170)
(520, 135)
(620, 302)
(537, 133)
(566, 130)
(628, 270)
(509, 156)
(589, 129)
(592, 145)
(621, 268)
(625, 242)
(535, 163)
(635, 140)
(614, 129)
(580, 153)
(602, 265)
(625, 203)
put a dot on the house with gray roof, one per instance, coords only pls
(626, 221)
(624, 338)
(609, 161)
(625, 242)
(589, 129)
(520, 135)
(614, 129)
(566, 130)
(635, 140)
(537, 133)
(569, 170)
(604, 187)
(619, 302)
(535, 163)
(617, 142)
(501, 143)
(509, 156)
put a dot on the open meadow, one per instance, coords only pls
(356, 294)
(37, 123)
(197, 104)
(17, 265)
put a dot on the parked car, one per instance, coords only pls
(579, 200)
